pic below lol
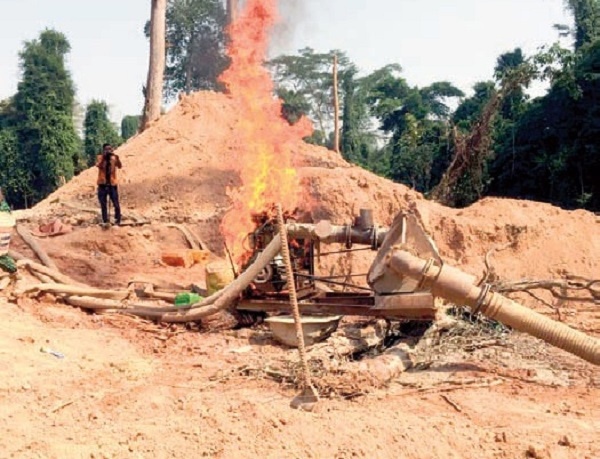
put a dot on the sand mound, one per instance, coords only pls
(180, 169)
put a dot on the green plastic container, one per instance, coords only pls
(187, 299)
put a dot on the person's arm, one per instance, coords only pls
(100, 161)
(118, 162)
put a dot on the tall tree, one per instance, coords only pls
(98, 130)
(587, 20)
(43, 117)
(416, 118)
(555, 157)
(196, 54)
(156, 69)
(14, 177)
(130, 126)
(232, 10)
(307, 77)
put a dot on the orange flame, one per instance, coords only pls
(264, 138)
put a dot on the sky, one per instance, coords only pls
(432, 40)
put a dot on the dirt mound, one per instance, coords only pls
(180, 170)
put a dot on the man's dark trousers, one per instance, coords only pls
(104, 192)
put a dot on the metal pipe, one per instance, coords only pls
(327, 233)
(459, 287)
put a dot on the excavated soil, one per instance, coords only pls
(128, 388)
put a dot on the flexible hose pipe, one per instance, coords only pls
(452, 284)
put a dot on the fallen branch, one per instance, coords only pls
(557, 288)
(451, 403)
(63, 405)
(434, 389)
(490, 272)
(37, 249)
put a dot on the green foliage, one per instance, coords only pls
(470, 109)
(195, 45)
(294, 106)
(98, 130)
(305, 81)
(587, 20)
(358, 143)
(130, 126)
(555, 155)
(14, 179)
(417, 120)
(43, 118)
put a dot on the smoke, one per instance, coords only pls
(293, 17)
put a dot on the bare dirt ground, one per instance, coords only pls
(130, 388)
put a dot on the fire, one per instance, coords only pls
(265, 139)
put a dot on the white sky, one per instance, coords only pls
(433, 40)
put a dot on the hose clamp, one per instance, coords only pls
(426, 277)
(482, 298)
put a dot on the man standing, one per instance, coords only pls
(107, 165)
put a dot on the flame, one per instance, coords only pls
(264, 139)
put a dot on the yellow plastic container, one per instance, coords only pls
(218, 276)
(7, 223)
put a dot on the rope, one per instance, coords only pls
(285, 252)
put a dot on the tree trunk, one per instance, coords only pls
(336, 106)
(232, 10)
(156, 69)
(189, 66)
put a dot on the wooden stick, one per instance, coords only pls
(451, 403)
(63, 405)
(32, 243)
(433, 389)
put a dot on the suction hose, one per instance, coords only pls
(454, 285)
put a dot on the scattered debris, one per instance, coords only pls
(46, 350)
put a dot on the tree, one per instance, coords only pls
(43, 118)
(98, 130)
(232, 10)
(587, 20)
(14, 179)
(307, 80)
(470, 109)
(153, 91)
(196, 57)
(130, 126)
(465, 179)
(417, 119)
(556, 156)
